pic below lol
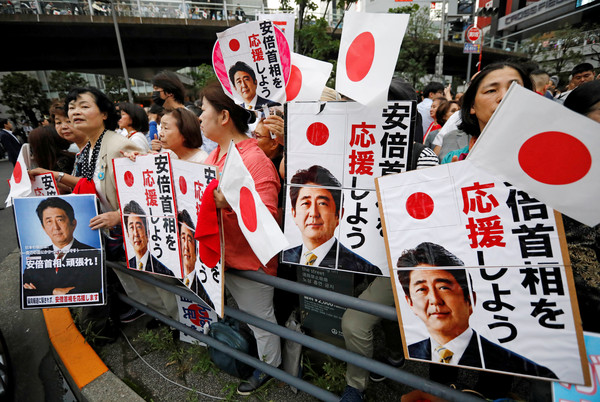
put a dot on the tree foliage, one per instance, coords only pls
(115, 88)
(416, 50)
(557, 51)
(62, 82)
(201, 75)
(24, 97)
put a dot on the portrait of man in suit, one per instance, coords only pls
(442, 300)
(189, 252)
(137, 233)
(243, 78)
(317, 212)
(53, 270)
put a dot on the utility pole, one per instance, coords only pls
(439, 58)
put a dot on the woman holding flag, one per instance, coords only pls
(226, 123)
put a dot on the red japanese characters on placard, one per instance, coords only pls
(487, 230)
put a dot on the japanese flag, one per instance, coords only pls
(368, 53)
(256, 222)
(20, 184)
(307, 78)
(421, 199)
(546, 150)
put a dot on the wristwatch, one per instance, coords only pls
(60, 176)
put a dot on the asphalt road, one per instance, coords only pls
(36, 375)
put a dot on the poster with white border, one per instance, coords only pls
(334, 151)
(191, 179)
(503, 295)
(149, 214)
(61, 256)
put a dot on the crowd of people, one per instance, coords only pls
(90, 130)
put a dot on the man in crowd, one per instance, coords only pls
(432, 90)
(243, 78)
(10, 143)
(62, 276)
(442, 300)
(581, 73)
(316, 212)
(188, 256)
(169, 92)
(137, 233)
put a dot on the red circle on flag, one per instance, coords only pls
(360, 56)
(128, 177)
(18, 173)
(248, 209)
(553, 157)
(294, 84)
(234, 45)
(182, 185)
(419, 205)
(317, 134)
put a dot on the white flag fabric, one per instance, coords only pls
(256, 222)
(368, 53)
(20, 184)
(545, 149)
(307, 78)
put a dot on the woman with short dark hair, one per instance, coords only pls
(180, 134)
(134, 120)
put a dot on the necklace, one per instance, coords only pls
(88, 166)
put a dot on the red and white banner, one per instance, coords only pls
(283, 21)
(191, 181)
(545, 149)
(20, 184)
(307, 79)
(478, 267)
(44, 185)
(368, 54)
(256, 222)
(252, 63)
(334, 152)
(149, 214)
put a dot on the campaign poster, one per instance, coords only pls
(481, 274)
(207, 282)
(252, 62)
(334, 151)
(564, 392)
(283, 21)
(149, 214)
(44, 185)
(61, 257)
(195, 315)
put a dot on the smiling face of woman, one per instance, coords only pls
(85, 115)
(491, 91)
(170, 137)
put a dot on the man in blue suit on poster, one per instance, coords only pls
(317, 212)
(137, 233)
(442, 300)
(54, 270)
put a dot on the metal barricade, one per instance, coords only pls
(374, 366)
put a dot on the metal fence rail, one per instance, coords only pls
(387, 312)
